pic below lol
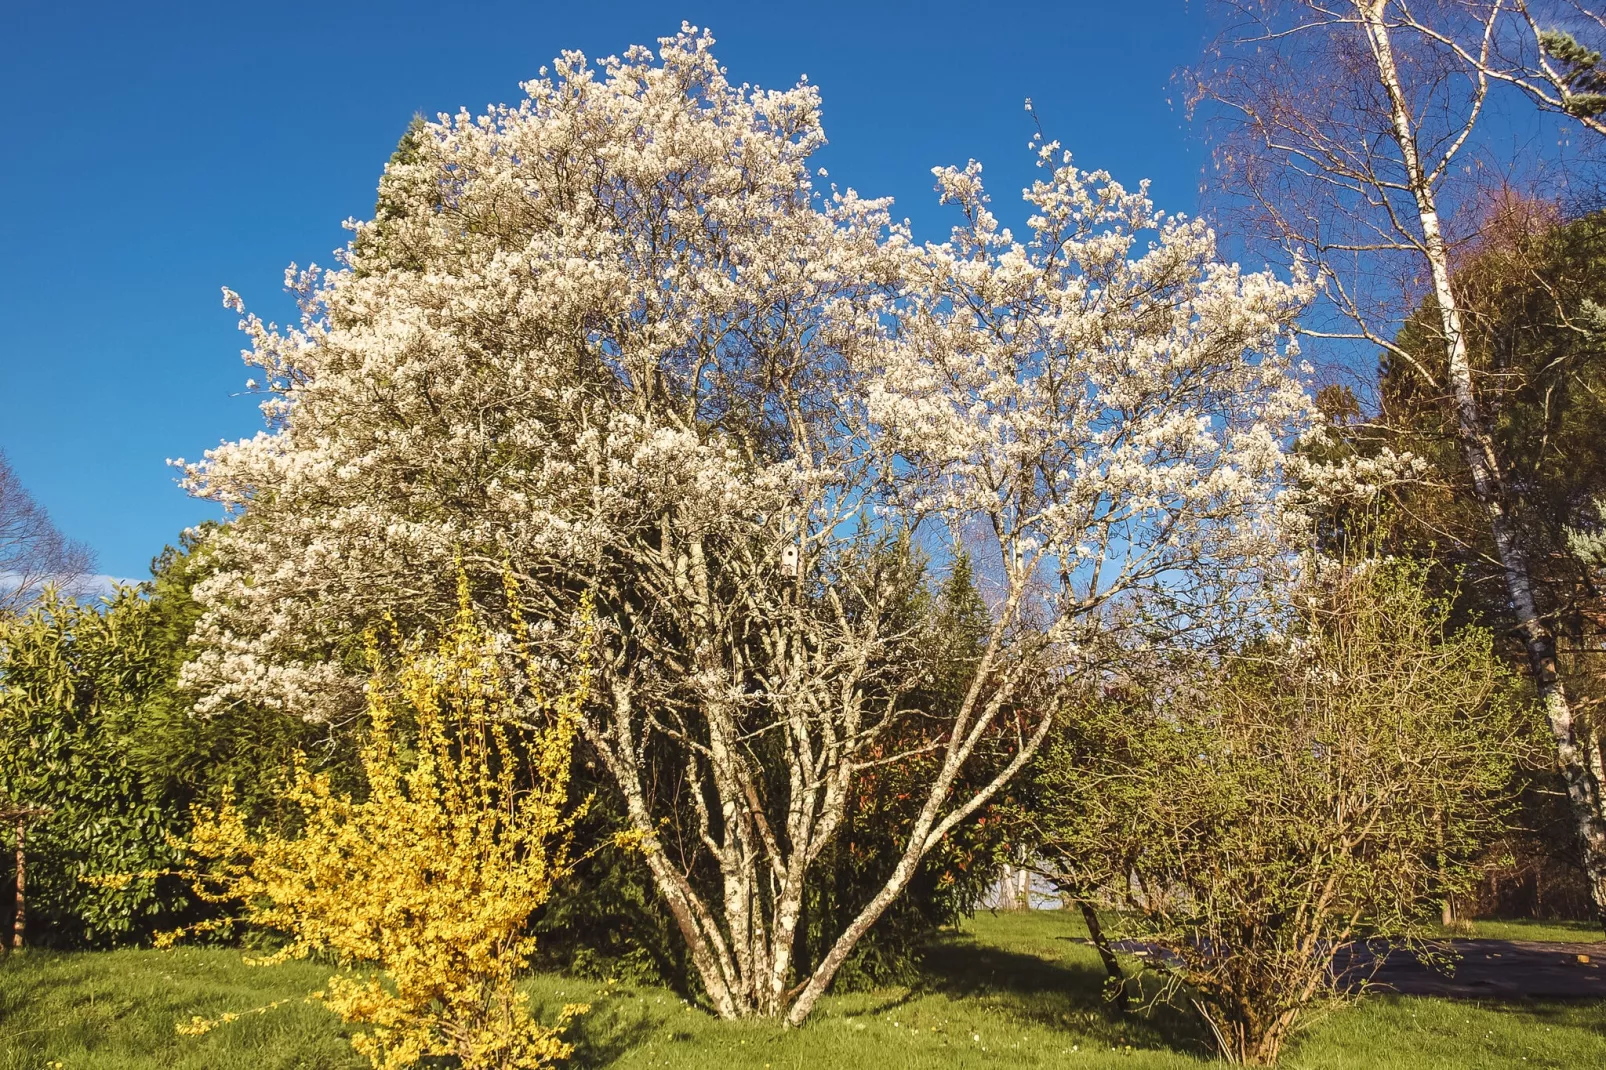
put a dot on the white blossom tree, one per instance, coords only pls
(612, 343)
(1103, 408)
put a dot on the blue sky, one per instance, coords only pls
(158, 152)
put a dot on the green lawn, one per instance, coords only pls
(1575, 932)
(1010, 991)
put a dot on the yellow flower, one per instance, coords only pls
(427, 883)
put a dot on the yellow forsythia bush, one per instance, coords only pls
(423, 888)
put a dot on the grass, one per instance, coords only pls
(118, 1009)
(1012, 991)
(1570, 932)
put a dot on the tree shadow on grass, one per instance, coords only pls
(19, 999)
(1566, 1014)
(1060, 993)
(885, 1006)
(613, 1026)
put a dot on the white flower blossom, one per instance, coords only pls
(612, 339)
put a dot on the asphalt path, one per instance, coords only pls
(1494, 969)
(1466, 969)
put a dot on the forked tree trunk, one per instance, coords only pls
(1572, 756)
(927, 833)
(1267, 1048)
(741, 927)
(1245, 1039)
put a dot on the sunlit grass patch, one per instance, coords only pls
(1007, 991)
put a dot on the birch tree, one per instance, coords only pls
(614, 343)
(1346, 125)
(1541, 48)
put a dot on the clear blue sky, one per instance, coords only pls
(160, 151)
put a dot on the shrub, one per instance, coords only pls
(1257, 823)
(425, 886)
(95, 732)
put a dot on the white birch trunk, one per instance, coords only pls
(1583, 786)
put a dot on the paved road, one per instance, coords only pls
(1501, 969)
(1483, 969)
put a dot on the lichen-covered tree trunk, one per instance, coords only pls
(932, 824)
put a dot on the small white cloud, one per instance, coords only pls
(100, 584)
(86, 589)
